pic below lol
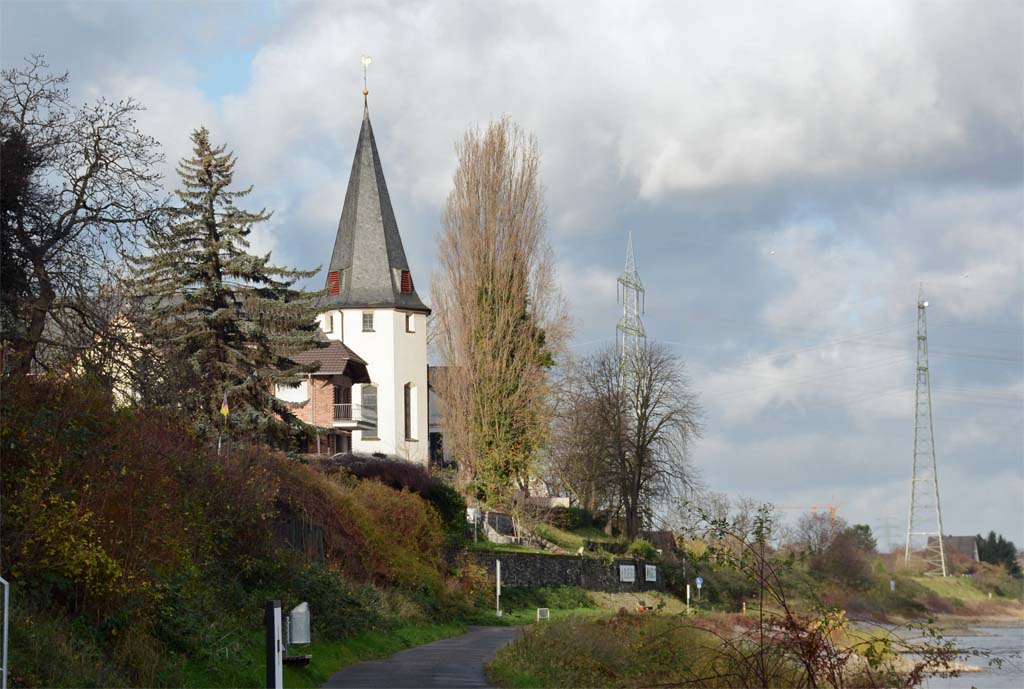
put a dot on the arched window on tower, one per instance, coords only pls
(409, 401)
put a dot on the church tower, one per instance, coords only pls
(372, 307)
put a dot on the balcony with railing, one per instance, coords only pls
(354, 417)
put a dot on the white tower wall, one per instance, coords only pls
(394, 357)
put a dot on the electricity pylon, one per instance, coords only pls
(630, 330)
(925, 511)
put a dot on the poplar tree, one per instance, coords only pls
(499, 316)
(225, 321)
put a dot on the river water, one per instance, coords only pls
(1002, 642)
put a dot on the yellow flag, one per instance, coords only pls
(224, 404)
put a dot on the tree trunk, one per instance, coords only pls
(26, 346)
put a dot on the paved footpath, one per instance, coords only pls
(454, 662)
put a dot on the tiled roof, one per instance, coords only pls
(368, 259)
(335, 359)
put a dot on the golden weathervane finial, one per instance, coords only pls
(366, 60)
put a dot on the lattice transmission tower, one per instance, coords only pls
(630, 330)
(924, 522)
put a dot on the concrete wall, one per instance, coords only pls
(593, 574)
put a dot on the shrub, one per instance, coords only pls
(135, 545)
(399, 473)
(845, 559)
(568, 518)
(392, 472)
(471, 581)
(341, 609)
(557, 597)
(372, 532)
(451, 508)
(96, 501)
(641, 549)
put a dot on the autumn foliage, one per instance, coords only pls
(122, 521)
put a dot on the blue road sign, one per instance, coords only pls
(700, 581)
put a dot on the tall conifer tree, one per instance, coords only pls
(225, 320)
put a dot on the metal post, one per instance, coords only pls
(7, 615)
(687, 598)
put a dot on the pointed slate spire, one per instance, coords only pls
(368, 267)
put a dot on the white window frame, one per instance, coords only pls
(370, 329)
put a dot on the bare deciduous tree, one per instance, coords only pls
(576, 463)
(79, 192)
(645, 416)
(498, 314)
(816, 530)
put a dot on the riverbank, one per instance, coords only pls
(604, 641)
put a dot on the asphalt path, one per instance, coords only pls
(454, 662)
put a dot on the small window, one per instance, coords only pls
(329, 323)
(410, 322)
(367, 321)
(333, 282)
(406, 282)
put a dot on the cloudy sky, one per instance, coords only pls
(791, 173)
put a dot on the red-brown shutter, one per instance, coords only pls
(406, 282)
(333, 285)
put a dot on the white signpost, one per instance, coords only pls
(275, 645)
(7, 613)
(497, 587)
(687, 598)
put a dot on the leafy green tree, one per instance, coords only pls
(224, 320)
(846, 558)
(863, 539)
(999, 551)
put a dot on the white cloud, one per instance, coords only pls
(823, 158)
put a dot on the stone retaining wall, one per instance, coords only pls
(593, 574)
